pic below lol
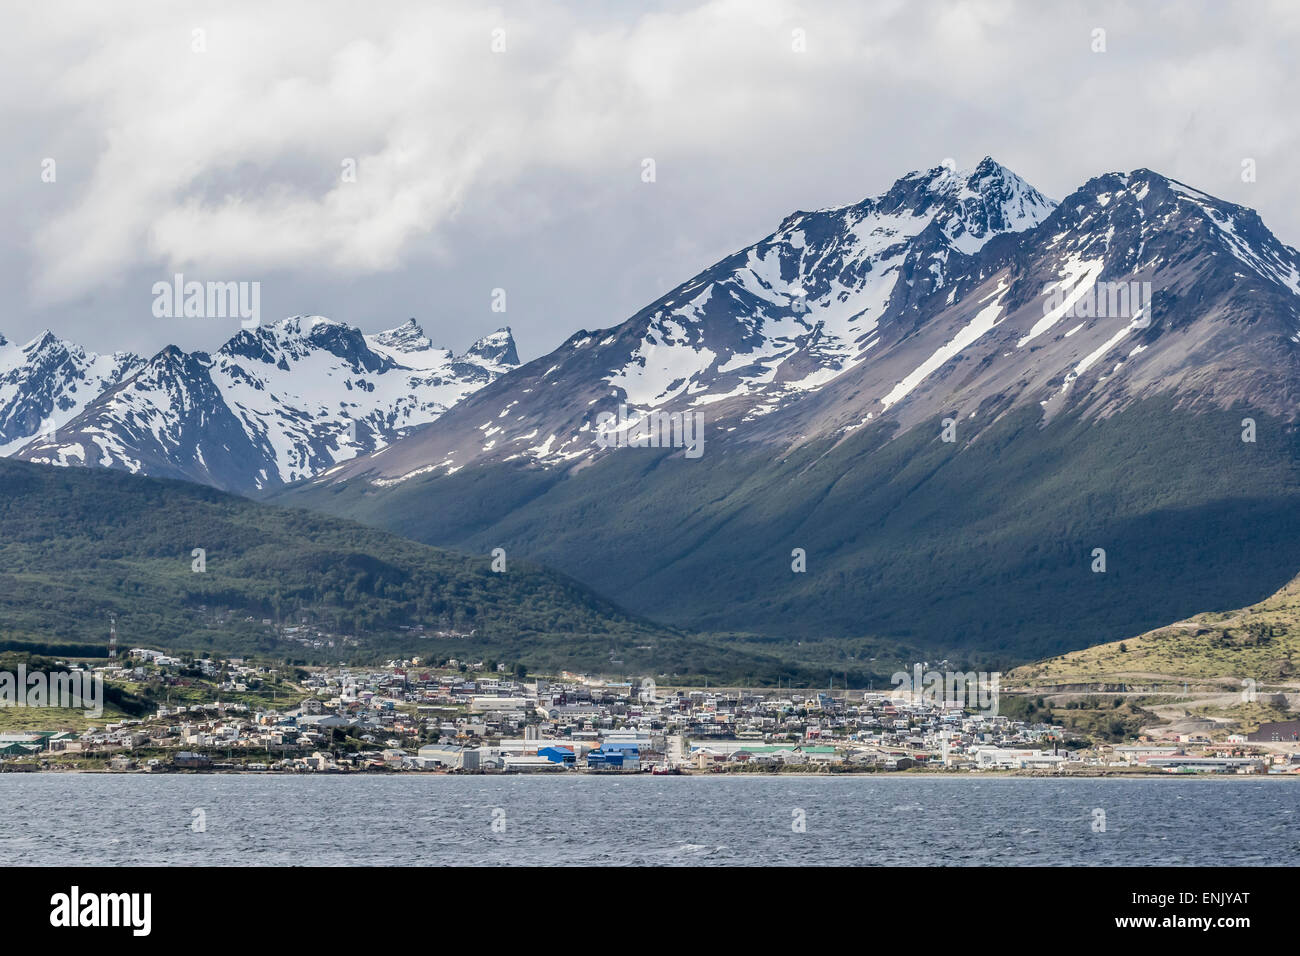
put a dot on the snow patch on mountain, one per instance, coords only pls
(983, 322)
(1078, 276)
(48, 382)
(812, 295)
(275, 404)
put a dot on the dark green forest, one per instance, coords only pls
(979, 548)
(77, 546)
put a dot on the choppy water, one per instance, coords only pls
(86, 819)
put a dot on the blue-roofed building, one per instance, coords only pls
(630, 748)
(614, 758)
(558, 755)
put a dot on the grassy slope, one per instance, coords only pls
(1261, 641)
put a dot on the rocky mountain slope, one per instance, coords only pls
(48, 382)
(950, 293)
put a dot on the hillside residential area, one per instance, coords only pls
(464, 717)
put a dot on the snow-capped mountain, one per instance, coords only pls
(48, 382)
(273, 405)
(763, 328)
(946, 399)
(951, 292)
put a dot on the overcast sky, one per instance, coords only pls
(221, 154)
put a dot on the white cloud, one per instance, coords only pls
(227, 162)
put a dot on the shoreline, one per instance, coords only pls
(890, 775)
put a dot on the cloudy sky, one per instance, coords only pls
(504, 146)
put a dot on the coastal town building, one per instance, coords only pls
(409, 716)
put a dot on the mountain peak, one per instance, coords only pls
(303, 326)
(171, 354)
(988, 200)
(44, 340)
(948, 176)
(497, 347)
(1146, 205)
(407, 337)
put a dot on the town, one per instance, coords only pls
(481, 717)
